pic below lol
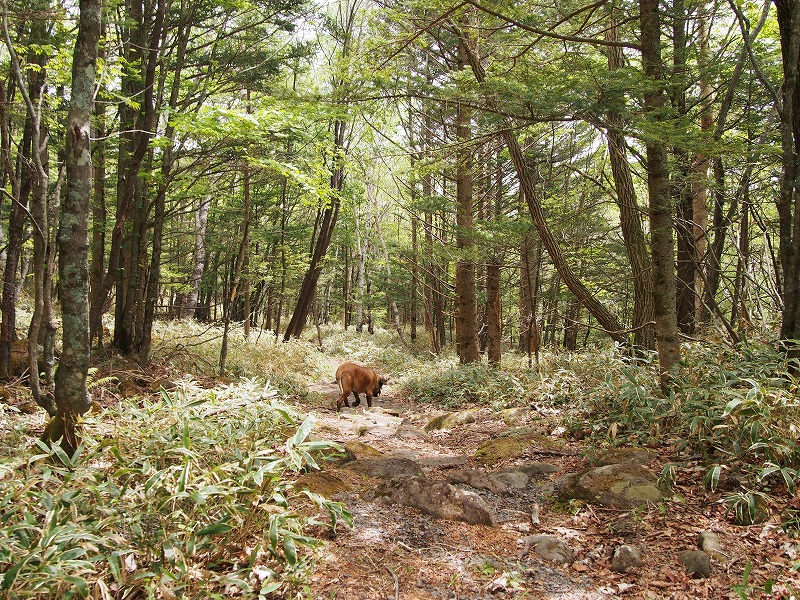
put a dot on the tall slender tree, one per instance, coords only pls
(71, 395)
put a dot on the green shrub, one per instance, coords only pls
(186, 346)
(450, 385)
(186, 494)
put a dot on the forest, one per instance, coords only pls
(587, 212)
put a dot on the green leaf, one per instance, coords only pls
(290, 550)
(220, 526)
(303, 431)
(80, 584)
(115, 566)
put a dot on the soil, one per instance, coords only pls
(396, 552)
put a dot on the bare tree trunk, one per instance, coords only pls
(392, 303)
(700, 173)
(661, 220)
(199, 259)
(31, 91)
(144, 50)
(99, 211)
(630, 213)
(21, 179)
(494, 317)
(361, 266)
(466, 302)
(788, 202)
(330, 214)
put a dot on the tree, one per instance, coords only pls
(788, 202)
(73, 238)
(660, 208)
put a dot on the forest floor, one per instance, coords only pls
(393, 551)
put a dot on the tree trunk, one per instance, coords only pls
(99, 211)
(330, 214)
(466, 302)
(494, 318)
(71, 395)
(199, 258)
(22, 180)
(361, 266)
(31, 89)
(700, 173)
(630, 213)
(789, 197)
(660, 209)
(607, 321)
(142, 49)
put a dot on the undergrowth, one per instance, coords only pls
(182, 495)
(186, 346)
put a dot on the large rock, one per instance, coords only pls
(451, 420)
(617, 456)
(531, 469)
(354, 450)
(622, 486)
(510, 444)
(321, 482)
(438, 499)
(478, 480)
(384, 468)
(511, 416)
(626, 557)
(697, 563)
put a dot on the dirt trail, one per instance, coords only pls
(394, 551)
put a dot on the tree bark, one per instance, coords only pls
(788, 203)
(494, 318)
(630, 213)
(143, 48)
(466, 301)
(71, 394)
(660, 206)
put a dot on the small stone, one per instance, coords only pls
(708, 542)
(513, 479)
(626, 557)
(548, 547)
(697, 563)
(535, 513)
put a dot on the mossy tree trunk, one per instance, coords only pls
(71, 394)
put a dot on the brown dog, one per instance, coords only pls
(356, 379)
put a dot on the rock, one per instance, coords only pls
(438, 499)
(321, 482)
(708, 542)
(443, 461)
(618, 456)
(511, 444)
(406, 431)
(548, 547)
(514, 479)
(451, 420)
(353, 449)
(697, 563)
(162, 383)
(511, 416)
(621, 486)
(479, 480)
(626, 557)
(531, 469)
(384, 468)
